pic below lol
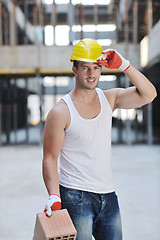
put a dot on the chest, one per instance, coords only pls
(88, 125)
(88, 110)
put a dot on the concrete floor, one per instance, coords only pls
(137, 176)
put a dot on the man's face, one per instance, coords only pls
(87, 75)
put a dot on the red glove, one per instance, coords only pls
(111, 59)
(53, 204)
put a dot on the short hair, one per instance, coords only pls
(75, 64)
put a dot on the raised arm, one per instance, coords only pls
(140, 94)
(54, 131)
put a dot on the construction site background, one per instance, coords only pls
(36, 41)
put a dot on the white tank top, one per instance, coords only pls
(85, 158)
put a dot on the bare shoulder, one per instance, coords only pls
(59, 109)
(54, 130)
(58, 115)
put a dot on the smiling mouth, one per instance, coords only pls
(91, 80)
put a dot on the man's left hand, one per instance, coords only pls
(111, 59)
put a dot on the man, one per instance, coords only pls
(78, 128)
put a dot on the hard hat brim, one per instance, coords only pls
(84, 60)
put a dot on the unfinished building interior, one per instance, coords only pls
(36, 41)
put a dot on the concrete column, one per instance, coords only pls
(54, 19)
(15, 119)
(82, 19)
(41, 20)
(96, 19)
(135, 22)
(150, 15)
(55, 90)
(126, 23)
(71, 20)
(13, 32)
(76, 10)
(149, 124)
(35, 22)
(8, 112)
(6, 28)
(40, 94)
(26, 110)
(25, 22)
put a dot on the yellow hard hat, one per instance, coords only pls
(86, 50)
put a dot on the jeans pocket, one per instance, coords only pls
(71, 195)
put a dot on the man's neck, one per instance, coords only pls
(86, 96)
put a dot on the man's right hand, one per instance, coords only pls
(53, 204)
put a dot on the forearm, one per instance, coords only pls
(50, 176)
(145, 88)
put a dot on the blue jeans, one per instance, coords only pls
(93, 214)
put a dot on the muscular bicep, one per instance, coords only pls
(125, 98)
(53, 139)
(128, 98)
